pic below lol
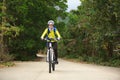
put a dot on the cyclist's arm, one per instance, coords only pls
(44, 33)
(58, 34)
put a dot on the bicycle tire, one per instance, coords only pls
(53, 66)
(49, 62)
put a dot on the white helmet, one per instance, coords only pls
(51, 22)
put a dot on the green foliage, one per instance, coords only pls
(10, 31)
(7, 64)
(26, 21)
(90, 33)
(94, 32)
(6, 57)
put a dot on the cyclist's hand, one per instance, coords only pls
(58, 38)
(42, 38)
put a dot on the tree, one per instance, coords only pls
(31, 17)
(95, 28)
(5, 30)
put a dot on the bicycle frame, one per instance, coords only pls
(51, 51)
(50, 57)
(50, 54)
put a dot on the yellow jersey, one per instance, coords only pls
(52, 34)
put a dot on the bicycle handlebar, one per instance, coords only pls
(50, 39)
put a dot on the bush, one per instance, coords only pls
(24, 56)
(6, 57)
(7, 64)
(81, 58)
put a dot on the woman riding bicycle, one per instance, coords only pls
(52, 32)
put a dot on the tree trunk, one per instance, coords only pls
(110, 49)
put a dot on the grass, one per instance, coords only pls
(98, 61)
(6, 64)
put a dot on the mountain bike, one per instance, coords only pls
(50, 54)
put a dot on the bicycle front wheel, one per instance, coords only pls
(53, 66)
(49, 62)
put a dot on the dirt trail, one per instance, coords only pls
(64, 71)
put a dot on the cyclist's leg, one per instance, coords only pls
(55, 51)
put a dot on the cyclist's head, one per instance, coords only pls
(50, 22)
